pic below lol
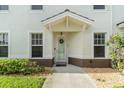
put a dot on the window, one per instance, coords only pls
(37, 45)
(37, 7)
(99, 45)
(99, 7)
(3, 45)
(3, 7)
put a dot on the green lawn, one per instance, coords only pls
(118, 86)
(21, 81)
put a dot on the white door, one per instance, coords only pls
(60, 53)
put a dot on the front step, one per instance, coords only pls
(61, 63)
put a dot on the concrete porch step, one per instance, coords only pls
(61, 63)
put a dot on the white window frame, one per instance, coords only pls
(8, 32)
(99, 45)
(30, 44)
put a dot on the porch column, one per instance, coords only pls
(48, 42)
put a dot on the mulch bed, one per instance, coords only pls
(105, 77)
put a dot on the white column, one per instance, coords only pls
(83, 39)
(48, 42)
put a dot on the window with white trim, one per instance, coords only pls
(37, 7)
(3, 44)
(4, 7)
(37, 44)
(99, 44)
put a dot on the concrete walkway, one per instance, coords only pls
(69, 77)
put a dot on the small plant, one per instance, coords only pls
(120, 66)
(27, 70)
(101, 80)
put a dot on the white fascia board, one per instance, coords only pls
(84, 20)
(55, 18)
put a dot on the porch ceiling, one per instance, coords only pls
(68, 24)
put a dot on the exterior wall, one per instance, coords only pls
(95, 63)
(20, 21)
(44, 62)
(117, 16)
(87, 43)
(75, 46)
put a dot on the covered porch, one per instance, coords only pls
(68, 32)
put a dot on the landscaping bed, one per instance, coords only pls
(21, 73)
(106, 77)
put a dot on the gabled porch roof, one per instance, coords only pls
(69, 13)
(121, 24)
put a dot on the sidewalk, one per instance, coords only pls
(69, 77)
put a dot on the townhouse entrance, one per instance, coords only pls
(66, 30)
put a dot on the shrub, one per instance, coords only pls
(27, 70)
(21, 82)
(10, 66)
(116, 47)
(120, 66)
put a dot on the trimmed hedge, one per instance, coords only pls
(11, 66)
(21, 82)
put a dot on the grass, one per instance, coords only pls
(21, 81)
(118, 86)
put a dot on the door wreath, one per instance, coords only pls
(61, 41)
